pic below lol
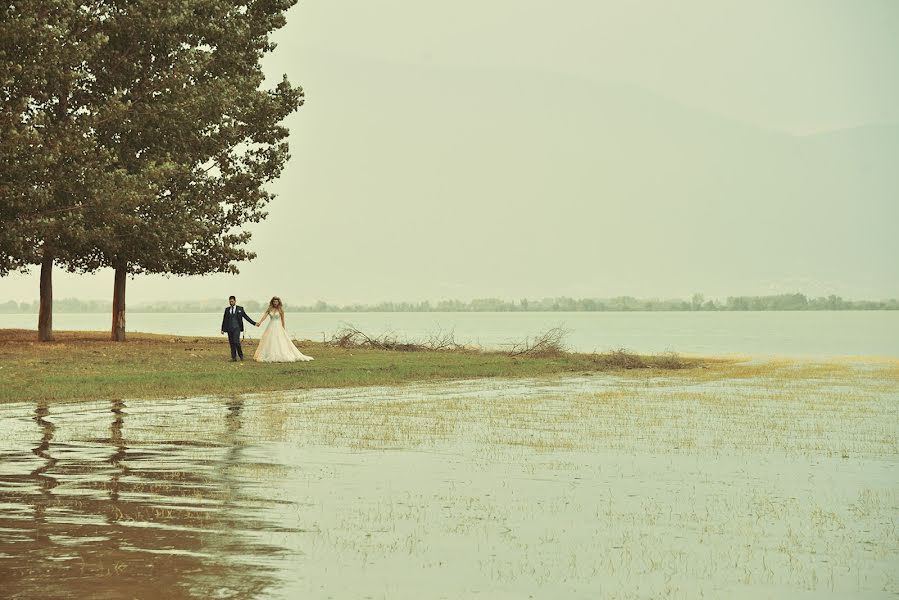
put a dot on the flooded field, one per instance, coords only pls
(773, 480)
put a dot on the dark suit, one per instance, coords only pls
(232, 322)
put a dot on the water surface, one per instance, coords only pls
(577, 488)
(805, 334)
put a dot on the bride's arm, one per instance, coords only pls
(283, 321)
(264, 316)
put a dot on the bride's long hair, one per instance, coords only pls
(279, 308)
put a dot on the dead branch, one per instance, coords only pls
(549, 343)
(352, 337)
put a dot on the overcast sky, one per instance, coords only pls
(516, 148)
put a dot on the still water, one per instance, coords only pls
(580, 488)
(824, 333)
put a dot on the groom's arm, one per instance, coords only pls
(224, 319)
(247, 317)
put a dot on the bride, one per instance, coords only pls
(274, 345)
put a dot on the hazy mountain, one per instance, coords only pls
(486, 179)
(415, 182)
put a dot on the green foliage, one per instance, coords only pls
(138, 133)
(52, 169)
(186, 115)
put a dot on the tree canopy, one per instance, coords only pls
(138, 135)
(51, 166)
(194, 122)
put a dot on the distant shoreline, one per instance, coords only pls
(698, 303)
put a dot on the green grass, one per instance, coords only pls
(86, 366)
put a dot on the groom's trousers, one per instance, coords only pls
(234, 340)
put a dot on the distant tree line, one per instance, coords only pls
(137, 136)
(780, 302)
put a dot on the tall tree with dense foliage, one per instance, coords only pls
(195, 122)
(136, 135)
(52, 171)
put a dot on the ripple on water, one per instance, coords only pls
(565, 487)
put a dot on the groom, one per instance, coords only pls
(232, 322)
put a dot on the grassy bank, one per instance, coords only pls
(85, 365)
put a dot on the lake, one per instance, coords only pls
(796, 334)
(691, 485)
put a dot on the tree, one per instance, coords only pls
(696, 301)
(190, 124)
(51, 169)
(20, 137)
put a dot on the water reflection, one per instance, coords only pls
(45, 482)
(232, 419)
(110, 516)
(234, 446)
(117, 459)
(583, 487)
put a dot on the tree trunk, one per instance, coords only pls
(118, 304)
(45, 315)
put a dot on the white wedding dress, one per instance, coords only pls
(275, 346)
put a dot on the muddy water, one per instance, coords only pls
(577, 488)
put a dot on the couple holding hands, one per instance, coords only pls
(274, 345)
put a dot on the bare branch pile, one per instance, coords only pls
(351, 337)
(549, 343)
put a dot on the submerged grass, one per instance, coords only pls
(739, 479)
(86, 365)
(836, 410)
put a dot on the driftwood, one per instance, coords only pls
(351, 337)
(443, 340)
(549, 343)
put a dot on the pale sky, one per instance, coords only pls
(515, 148)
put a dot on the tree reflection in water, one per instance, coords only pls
(157, 517)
